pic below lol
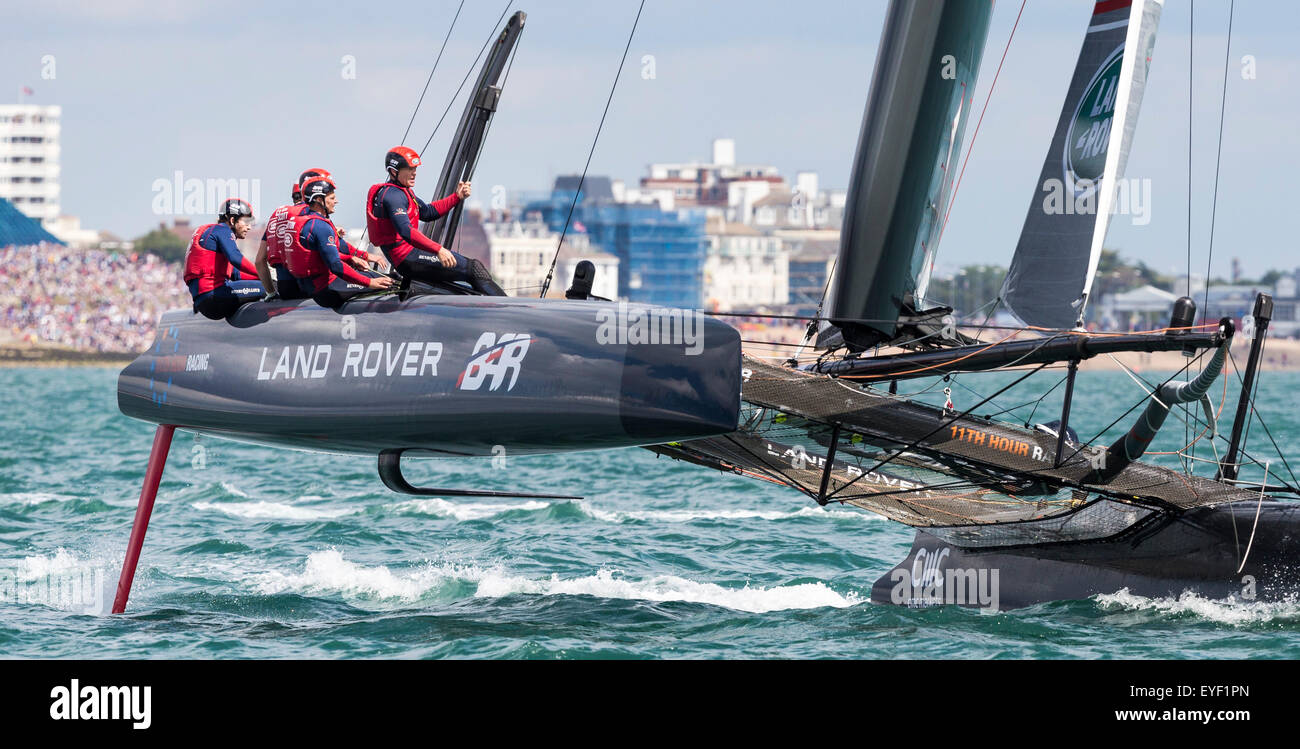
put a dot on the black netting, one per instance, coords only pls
(973, 481)
(970, 445)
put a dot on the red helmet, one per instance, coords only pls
(401, 156)
(317, 172)
(316, 187)
(297, 186)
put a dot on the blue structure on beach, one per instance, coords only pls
(19, 229)
(661, 253)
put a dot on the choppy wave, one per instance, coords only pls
(231, 488)
(465, 511)
(329, 572)
(687, 515)
(441, 508)
(41, 565)
(263, 510)
(35, 498)
(1227, 611)
(608, 584)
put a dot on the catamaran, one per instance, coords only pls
(440, 371)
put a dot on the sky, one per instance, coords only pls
(262, 90)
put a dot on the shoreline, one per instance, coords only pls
(41, 356)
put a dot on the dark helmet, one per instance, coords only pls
(235, 208)
(297, 187)
(401, 156)
(316, 187)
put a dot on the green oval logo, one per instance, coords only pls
(1088, 139)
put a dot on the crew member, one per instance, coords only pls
(393, 213)
(212, 258)
(270, 260)
(327, 268)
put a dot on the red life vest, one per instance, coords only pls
(304, 262)
(278, 226)
(210, 267)
(382, 231)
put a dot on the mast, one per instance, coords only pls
(467, 143)
(930, 53)
(1263, 314)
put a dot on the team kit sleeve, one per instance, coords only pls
(438, 208)
(395, 206)
(226, 245)
(326, 242)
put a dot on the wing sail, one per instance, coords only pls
(1051, 274)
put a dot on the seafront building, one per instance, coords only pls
(660, 252)
(720, 234)
(745, 269)
(521, 254)
(29, 158)
(751, 194)
(809, 268)
(30, 171)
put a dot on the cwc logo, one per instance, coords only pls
(1088, 139)
(495, 358)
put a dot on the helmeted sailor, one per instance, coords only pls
(272, 267)
(328, 269)
(212, 258)
(393, 213)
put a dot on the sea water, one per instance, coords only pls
(255, 552)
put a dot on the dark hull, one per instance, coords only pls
(431, 373)
(1195, 551)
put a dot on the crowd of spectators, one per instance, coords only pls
(89, 300)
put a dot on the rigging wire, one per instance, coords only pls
(450, 101)
(939, 428)
(469, 72)
(1040, 401)
(1144, 399)
(812, 324)
(1218, 157)
(504, 79)
(979, 122)
(431, 72)
(1191, 69)
(551, 272)
(959, 484)
(1214, 202)
(1191, 43)
(1196, 422)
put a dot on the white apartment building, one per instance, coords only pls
(754, 194)
(711, 185)
(29, 159)
(745, 269)
(521, 253)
